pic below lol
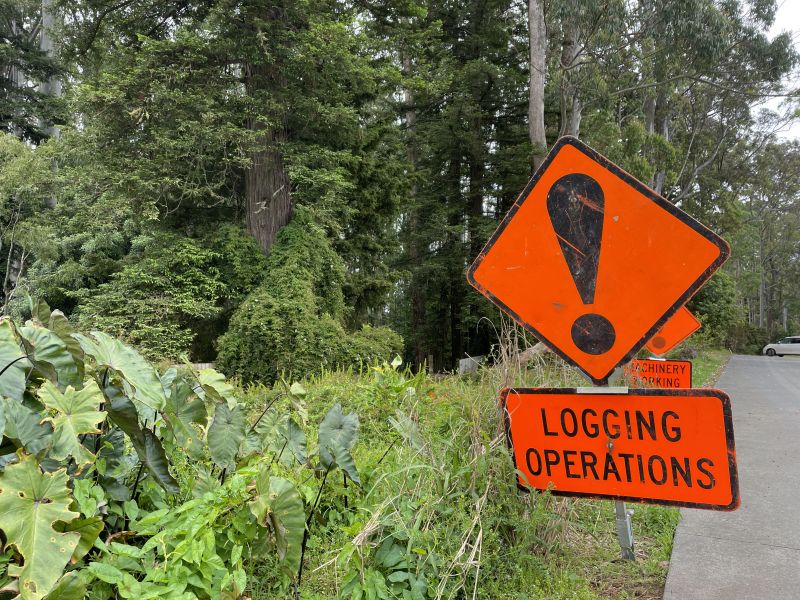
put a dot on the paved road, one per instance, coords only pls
(754, 552)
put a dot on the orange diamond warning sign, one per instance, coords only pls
(679, 327)
(592, 261)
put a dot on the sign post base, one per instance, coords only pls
(625, 531)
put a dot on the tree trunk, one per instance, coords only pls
(268, 201)
(455, 254)
(662, 115)
(415, 250)
(571, 105)
(51, 86)
(537, 36)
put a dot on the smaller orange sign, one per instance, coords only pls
(657, 446)
(658, 373)
(679, 327)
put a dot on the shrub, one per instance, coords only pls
(293, 322)
(715, 306)
(372, 344)
(744, 338)
(174, 294)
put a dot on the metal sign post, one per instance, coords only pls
(625, 530)
(623, 514)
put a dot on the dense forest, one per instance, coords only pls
(289, 185)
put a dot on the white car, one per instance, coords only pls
(788, 345)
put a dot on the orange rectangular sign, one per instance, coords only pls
(656, 446)
(658, 373)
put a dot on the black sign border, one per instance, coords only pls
(723, 246)
(728, 420)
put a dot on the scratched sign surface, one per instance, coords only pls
(592, 261)
(660, 446)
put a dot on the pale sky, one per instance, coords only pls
(787, 19)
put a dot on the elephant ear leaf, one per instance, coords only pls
(72, 414)
(72, 586)
(49, 354)
(31, 503)
(184, 409)
(40, 310)
(13, 364)
(89, 530)
(337, 436)
(132, 367)
(24, 427)
(225, 433)
(122, 412)
(154, 458)
(214, 387)
(278, 504)
(62, 328)
(290, 443)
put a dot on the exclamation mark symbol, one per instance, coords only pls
(576, 205)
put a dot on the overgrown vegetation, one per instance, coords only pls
(293, 324)
(120, 481)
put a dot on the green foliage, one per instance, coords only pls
(131, 453)
(278, 504)
(716, 306)
(31, 503)
(171, 290)
(744, 338)
(292, 324)
(225, 433)
(337, 435)
(72, 414)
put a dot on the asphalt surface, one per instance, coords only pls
(754, 552)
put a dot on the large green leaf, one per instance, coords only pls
(24, 426)
(278, 504)
(156, 462)
(226, 432)
(182, 411)
(344, 460)
(290, 442)
(62, 328)
(89, 530)
(337, 435)
(261, 435)
(213, 386)
(122, 412)
(168, 377)
(132, 367)
(73, 413)
(13, 365)
(50, 355)
(72, 586)
(31, 502)
(40, 310)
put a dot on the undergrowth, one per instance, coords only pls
(438, 513)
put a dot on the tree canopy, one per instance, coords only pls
(332, 167)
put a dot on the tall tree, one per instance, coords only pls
(537, 69)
